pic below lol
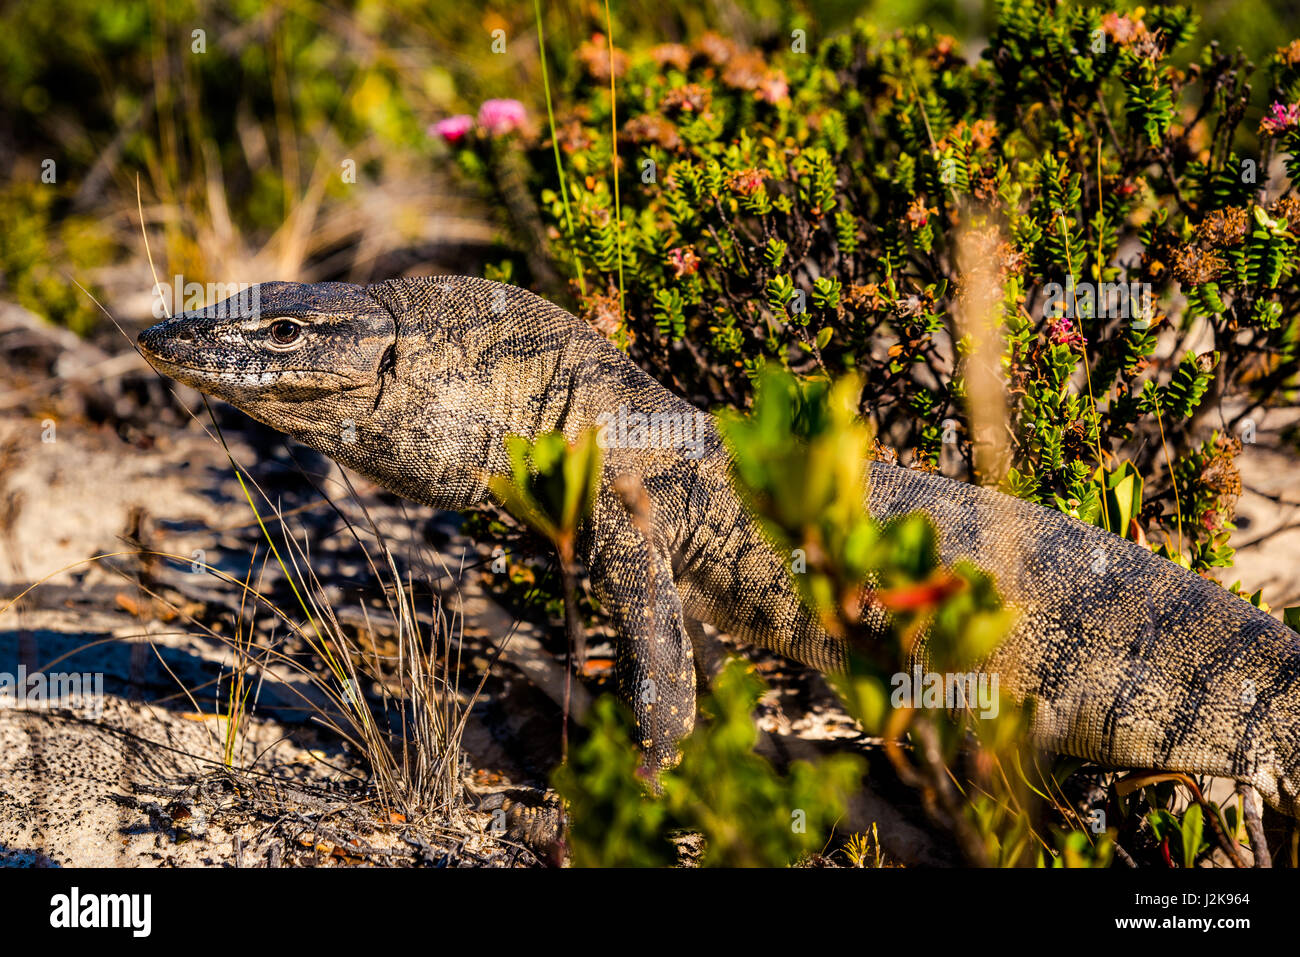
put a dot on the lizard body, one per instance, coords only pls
(1129, 660)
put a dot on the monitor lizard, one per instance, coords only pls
(1129, 661)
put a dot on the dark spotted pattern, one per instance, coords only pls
(1127, 659)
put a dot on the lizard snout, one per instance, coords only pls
(174, 344)
(153, 342)
(160, 340)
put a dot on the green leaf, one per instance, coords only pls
(1190, 832)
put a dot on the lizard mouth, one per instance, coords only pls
(159, 346)
(168, 367)
(199, 376)
(171, 348)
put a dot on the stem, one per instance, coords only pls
(576, 645)
(613, 134)
(1254, 826)
(555, 144)
(1173, 479)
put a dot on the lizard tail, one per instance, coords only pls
(1125, 658)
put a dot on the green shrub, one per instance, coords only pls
(40, 253)
(747, 814)
(825, 210)
(800, 461)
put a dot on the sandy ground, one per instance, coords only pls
(78, 503)
(1268, 517)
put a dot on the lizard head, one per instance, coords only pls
(276, 347)
(413, 383)
(306, 359)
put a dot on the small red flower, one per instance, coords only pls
(774, 87)
(684, 261)
(746, 182)
(1065, 333)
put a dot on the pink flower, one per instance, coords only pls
(1063, 333)
(499, 117)
(684, 261)
(1123, 30)
(1285, 116)
(453, 129)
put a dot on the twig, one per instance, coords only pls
(1254, 826)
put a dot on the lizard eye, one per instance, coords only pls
(285, 332)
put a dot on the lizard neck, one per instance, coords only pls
(473, 361)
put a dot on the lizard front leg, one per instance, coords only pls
(654, 665)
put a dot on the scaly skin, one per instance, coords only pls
(1128, 660)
